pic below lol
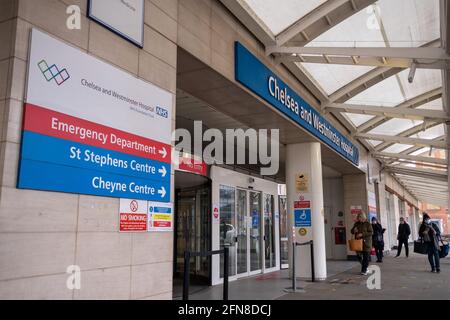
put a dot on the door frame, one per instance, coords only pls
(282, 265)
(274, 235)
(248, 217)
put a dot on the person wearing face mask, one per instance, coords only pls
(377, 239)
(430, 234)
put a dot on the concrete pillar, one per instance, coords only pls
(355, 197)
(304, 181)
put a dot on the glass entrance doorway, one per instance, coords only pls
(246, 231)
(192, 227)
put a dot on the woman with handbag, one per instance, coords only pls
(377, 239)
(362, 229)
(430, 234)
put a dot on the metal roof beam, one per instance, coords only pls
(312, 17)
(402, 140)
(411, 103)
(361, 61)
(370, 79)
(423, 53)
(424, 173)
(320, 20)
(425, 185)
(412, 131)
(250, 20)
(402, 113)
(414, 179)
(409, 157)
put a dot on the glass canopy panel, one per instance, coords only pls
(357, 119)
(374, 142)
(395, 126)
(424, 80)
(432, 133)
(397, 148)
(281, 14)
(386, 93)
(421, 152)
(332, 77)
(356, 31)
(432, 105)
(418, 25)
(352, 32)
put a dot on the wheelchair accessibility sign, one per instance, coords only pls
(302, 217)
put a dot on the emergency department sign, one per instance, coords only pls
(90, 128)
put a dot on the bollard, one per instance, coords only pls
(313, 274)
(294, 277)
(187, 260)
(226, 252)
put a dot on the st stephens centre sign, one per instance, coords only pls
(90, 128)
(254, 75)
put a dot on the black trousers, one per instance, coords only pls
(379, 253)
(363, 258)
(433, 256)
(402, 242)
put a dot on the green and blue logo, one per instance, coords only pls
(53, 73)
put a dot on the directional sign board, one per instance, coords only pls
(91, 128)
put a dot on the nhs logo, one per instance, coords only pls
(162, 112)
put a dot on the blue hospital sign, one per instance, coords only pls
(254, 75)
(302, 217)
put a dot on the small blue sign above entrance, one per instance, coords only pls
(254, 75)
(302, 217)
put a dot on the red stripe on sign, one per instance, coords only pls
(162, 224)
(188, 164)
(302, 204)
(55, 124)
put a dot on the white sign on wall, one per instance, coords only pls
(91, 128)
(124, 17)
(160, 216)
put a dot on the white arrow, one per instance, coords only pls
(163, 171)
(163, 152)
(162, 192)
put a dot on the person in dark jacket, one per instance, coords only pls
(377, 239)
(403, 236)
(430, 234)
(362, 229)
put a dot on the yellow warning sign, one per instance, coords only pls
(302, 182)
(162, 217)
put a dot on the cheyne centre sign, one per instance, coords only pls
(90, 128)
(258, 78)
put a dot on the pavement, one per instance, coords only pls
(400, 279)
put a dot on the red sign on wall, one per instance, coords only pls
(187, 163)
(133, 222)
(133, 215)
(302, 204)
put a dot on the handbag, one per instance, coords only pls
(355, 245)
(420, 246)
(444, 249)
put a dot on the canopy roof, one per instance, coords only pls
(379, 67)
